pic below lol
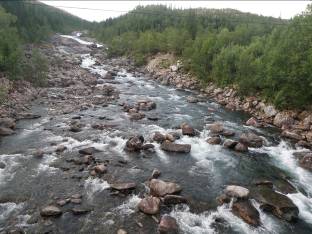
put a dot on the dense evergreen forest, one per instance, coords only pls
(29, 22)
(259, 55)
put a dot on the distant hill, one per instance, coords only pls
(36, 21)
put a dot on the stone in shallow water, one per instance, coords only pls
(246, 211)
(149, 205)
(236, 191)
(161, 188)
(251, 140)
(214, 140)
(88, 151)
(134, 143)
(168, 225)
(187, 130)
(174, 199)
(50, 211)
(123, 186)
(240, 147)
(2, 165)
(177, 148)
(6, 131)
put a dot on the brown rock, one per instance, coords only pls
(88, 151)
(100, 169)
(123, 186)
(216, 128)
(134, 143)
(161, 188)
(174, 199)
(149, 205)
(251, 140)
(240, 147)
(214, 140)
(230, 144)
(168, 225)
(246, 211)
(50, 211)
(6, 131)
(177, 148)
(158, 137)
(187, 130)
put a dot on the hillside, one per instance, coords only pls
(36, 21)
(258, 55)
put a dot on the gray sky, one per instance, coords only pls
(106, 9)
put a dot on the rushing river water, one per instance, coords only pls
(26, 183)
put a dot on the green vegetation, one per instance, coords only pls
(259, 55)
(24, 22)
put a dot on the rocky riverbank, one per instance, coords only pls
(295, 125)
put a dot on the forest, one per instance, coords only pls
(259, 55)
(23, 22)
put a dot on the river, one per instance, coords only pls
(26, 183)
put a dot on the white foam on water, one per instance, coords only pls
(180, 117)
(93, 186)
(87, 61)
(128, 207)
(8, 208)
(22, 220)
(81, 41)
(191, 223)
(44, 165)
(11, 162)
(304, 204)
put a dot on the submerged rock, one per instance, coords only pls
(230, 144)
(276, 203)
(240, 147)
(173, 147)
(149, 205)
(88, 151)
(6, 131)
(161, 188)
(214, 140)
(174, 199)
(2, 165)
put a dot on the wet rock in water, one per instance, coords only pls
(100, 169)
(267, 183)
(62, 202)
(108, 76)
(192, 99)
(7, 123)
(236, 191)
(253, 122)
(88, 151)
(216, 128)
(160, 188)
(177, 148)
(121, 231)
(291, 135)
(187, 130)
(146, 105)
(168, 225)
(38, 153)
(158, 137)
(283, 186)
(227, 133)
(283, 119)
(135, 143)
(136, 116)
(247, 212)
(214, 140)
(60, 149)
(76, 117)
(123, 186)
(155, 174)
(2, 165)
(276, 203)
(240, 147)
(29, 116)
(174, 199)
(76, 200)
(251, 140)
(149, 205)
(223, 198)
(6, 131)
(50, 211)
(152, 118)
(304, 160)
(170, 137)
(230, 144)
(80, 210)
(75, 127)
(148, 147)
(269, 111)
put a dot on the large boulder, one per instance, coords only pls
(247, 212)
(135, 143)
(283, 119)
(229, 144)
(251, 140)
(149, 205)
(276, 203)
(168, 225)
(160, 188)
(188, 130)
(269, 111)
(177, 148)
(50, 211)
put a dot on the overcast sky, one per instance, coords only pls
(105, 9)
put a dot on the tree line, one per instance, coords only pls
(258, 55)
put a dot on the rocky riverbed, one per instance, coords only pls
(107, 149)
